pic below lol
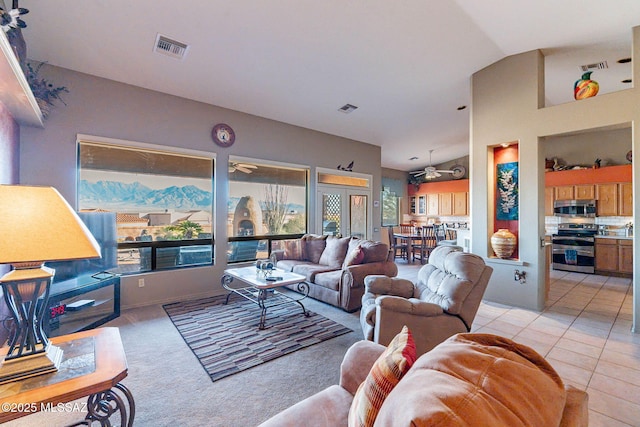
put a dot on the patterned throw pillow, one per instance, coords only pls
(386, 372)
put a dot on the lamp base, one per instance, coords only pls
(30, 366)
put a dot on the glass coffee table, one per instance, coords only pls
(261, 291)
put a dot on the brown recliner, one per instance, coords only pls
(442, 303)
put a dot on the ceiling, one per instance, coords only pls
(406, 64)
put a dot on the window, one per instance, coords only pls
(163, 202)
(390, 208)
(267, 202)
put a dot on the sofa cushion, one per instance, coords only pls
(293, 249)
(385, 373)
(313, 246)
(289, 264)
(335, 251)
(374, 251)
(472, 377)
(309, 270)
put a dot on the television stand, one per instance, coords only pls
(100, 296)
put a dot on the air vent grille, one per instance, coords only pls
(347, 108)
(596, 66)
(169, 47)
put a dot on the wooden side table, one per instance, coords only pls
(93, 364)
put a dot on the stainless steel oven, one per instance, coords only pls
(573, 247)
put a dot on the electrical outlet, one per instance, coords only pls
(141, 283)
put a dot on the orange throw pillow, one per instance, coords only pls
(385, 373)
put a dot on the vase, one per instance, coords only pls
(503, 243)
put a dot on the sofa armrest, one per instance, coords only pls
(361, 271)
(276, 255)
(576, 410)
(408, 305)
(382, 285)
(357, 363)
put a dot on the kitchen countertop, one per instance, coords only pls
(614, 236)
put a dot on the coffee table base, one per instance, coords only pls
(260, 296)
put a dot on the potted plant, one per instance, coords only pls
(46, 93)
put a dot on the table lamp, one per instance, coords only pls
(37, 225)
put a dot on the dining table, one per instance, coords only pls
(411, 238)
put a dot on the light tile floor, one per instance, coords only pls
(585, 334)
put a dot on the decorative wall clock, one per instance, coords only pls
(223, 135)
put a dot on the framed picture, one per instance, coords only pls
(507, 191)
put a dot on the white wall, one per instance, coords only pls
(506, 107)
(109, 109)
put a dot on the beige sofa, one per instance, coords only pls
(335, 267)
(468, 380)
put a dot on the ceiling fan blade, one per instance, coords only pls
(418, 173)
(444, 171)
(242, 168)
(247, 166)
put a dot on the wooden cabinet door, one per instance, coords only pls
(625, 256)
(607, 196)
(549, 198)
(432, 204)
(625, 195)
(564, 192)
(460, 204)
(585, 192)
(445, 207)
(607, 254)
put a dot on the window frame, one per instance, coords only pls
(155, 245)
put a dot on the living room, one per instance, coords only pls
(124, 113)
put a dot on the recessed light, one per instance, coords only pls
(413, 158)
(624, 60)
(462, 107)
(626, 81)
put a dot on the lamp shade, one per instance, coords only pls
(37, 224)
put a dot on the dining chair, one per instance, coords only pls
(422, 245)
(406, 229)
(398, 247)
(445, 236)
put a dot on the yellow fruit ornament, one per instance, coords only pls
(585, 87)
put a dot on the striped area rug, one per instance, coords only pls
(226, 339)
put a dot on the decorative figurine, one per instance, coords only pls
(585, 87)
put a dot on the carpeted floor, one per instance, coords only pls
(226, 340)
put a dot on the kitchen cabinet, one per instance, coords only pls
(445, 204)
(460, 203)
(564, 192)
(585, 192)
(413, 206)
(614, 256)
(549, 198)
(625, 199)
(432, 204)
(607, 197)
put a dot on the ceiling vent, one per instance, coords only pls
(596, 66)
(169, 47)
(347, 108)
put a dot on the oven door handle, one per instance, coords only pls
(577, 239)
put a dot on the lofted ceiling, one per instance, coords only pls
(405, 64)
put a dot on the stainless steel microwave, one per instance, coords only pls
(575, 208)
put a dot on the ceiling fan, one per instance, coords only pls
(242, 167)
(430, 172)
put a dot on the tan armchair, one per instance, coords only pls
(442, 303)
